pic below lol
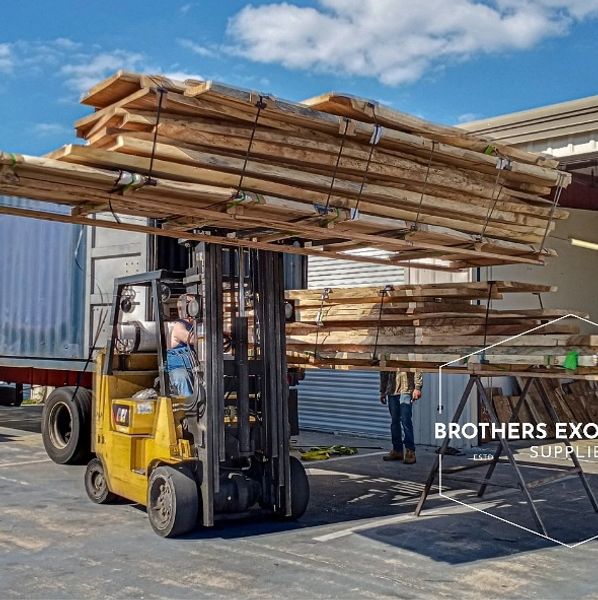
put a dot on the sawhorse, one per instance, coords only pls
(504, 447)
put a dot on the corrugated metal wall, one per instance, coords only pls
(348, 401)
(42, 285)
(323, 272)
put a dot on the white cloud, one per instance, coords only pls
(34, 57)
(196, 48)
(50, 130)
(185, 8)
(89, 69)
(77, 66)
(66, 43)
(396, 41)
(181, 75)
(6, 59)
(466, 117)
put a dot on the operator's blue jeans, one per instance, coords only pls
(179, 362)
(181, 382)
(401, 428)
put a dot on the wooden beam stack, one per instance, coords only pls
(426, 326)
(335, 173)
(574, 402)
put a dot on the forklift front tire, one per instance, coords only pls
(96, 485)
(172, 501)
(299, 489)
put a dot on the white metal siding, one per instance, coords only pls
(348, 401)
(331, 272)
(110, 254)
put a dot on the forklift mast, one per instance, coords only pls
(239, 421)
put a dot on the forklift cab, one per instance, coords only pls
(224, 450)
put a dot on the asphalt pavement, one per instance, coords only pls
(358, 539)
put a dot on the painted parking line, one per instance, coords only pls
(24, 463)
(410, 517)
(10, 480)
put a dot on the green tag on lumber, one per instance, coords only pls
(571, 360)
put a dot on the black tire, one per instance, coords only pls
(66, 425)
(9, 396)
(96, 485)
(299, 489)
(172, 501)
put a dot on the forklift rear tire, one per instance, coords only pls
(66, 425)
(172, 501)
(96, 485)
(299, 489)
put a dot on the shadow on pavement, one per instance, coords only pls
(24, 418)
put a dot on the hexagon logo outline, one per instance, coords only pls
(476, 508)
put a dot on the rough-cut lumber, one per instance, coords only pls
(31, 177)
(285, 147)
(288, 172)
(433, 242)
(374, 112)
(433, 326)
(302, 115)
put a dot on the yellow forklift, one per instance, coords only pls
(221, 452)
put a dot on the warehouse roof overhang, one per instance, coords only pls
(567, 131)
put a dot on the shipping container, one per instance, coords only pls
(42, 287)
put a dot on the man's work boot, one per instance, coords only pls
(409, 457)
(393, 455)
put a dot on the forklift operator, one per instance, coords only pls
(180, 356)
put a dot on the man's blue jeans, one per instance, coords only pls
(401, 428)
(181, 382)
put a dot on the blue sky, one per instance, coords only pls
(447, 61)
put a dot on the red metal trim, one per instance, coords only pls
(52, 377)
(581, 193)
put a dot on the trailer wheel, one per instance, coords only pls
(96, 485)
(299, 489)
(172, 501)
(66, 425)
(11, 395)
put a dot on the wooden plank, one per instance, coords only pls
(374, 112)
(304, 180)
(502, 407)
(208, 237)
(300, 150)
(172, 170)
(525, 415)
(302, 115)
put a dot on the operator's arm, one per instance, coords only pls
(181, 335)
(384, 376)
(419, 384)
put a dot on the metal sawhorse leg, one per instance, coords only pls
(504, 447)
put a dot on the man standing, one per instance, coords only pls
(400, 389)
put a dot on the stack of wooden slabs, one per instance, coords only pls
(428, 326)
(575, 402)
(326, 176)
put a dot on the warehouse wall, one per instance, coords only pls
(574, 271)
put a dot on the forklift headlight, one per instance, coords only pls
(289, 311)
